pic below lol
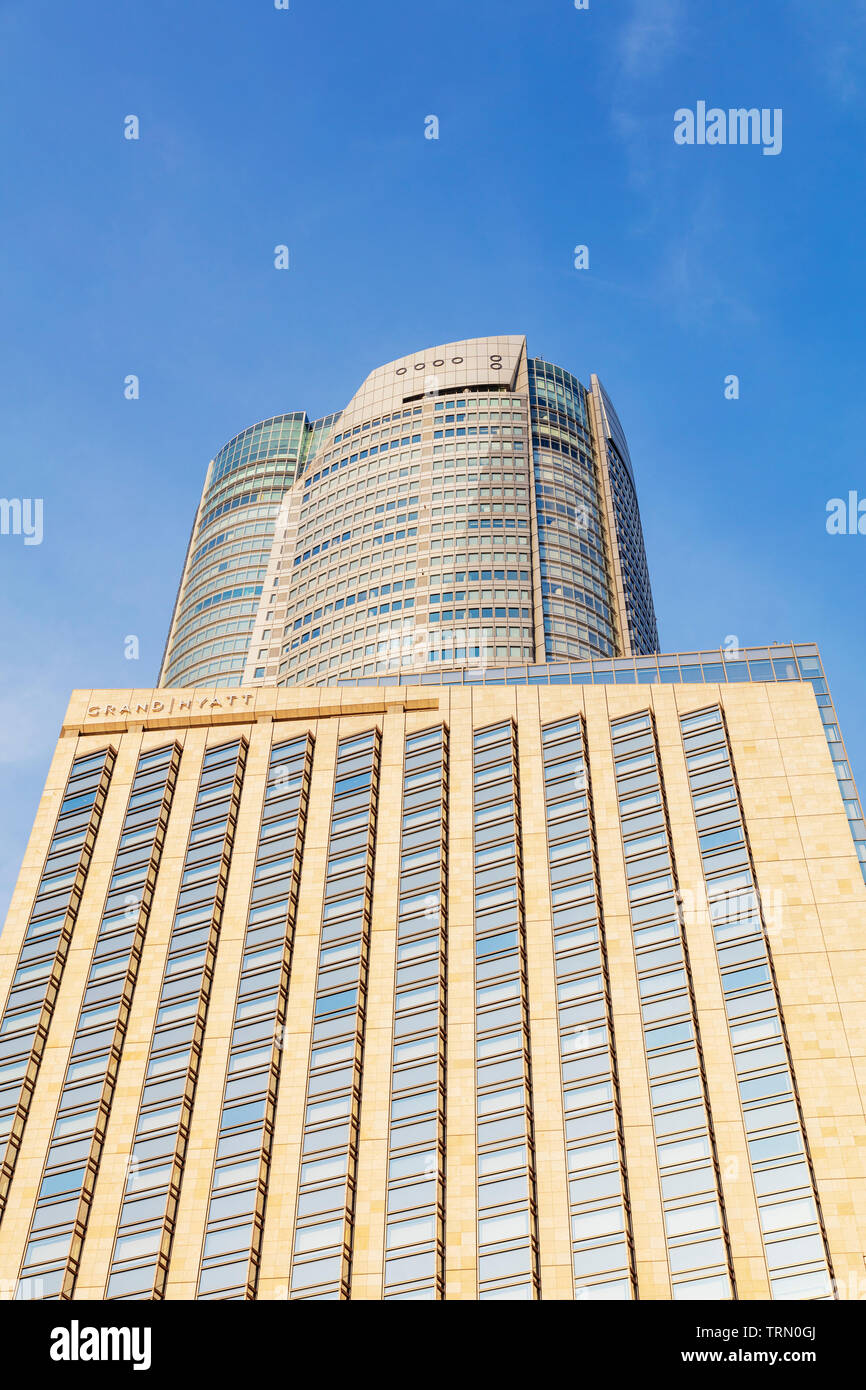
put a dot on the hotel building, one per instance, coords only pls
(487, 989)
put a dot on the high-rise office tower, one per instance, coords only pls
(470, 504)
(524, 964)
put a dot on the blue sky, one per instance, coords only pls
(261, 127)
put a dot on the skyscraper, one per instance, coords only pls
(487, 497)
(514, 960)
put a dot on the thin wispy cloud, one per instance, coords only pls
(683, 276)
(652, 34)
(836, 50)
(639, 140)
(688, 284)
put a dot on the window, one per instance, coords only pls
(507, 1250)
(324, 1225)
(141, 1254)
(243, 1155)
(796, 1259)
(29, 1009)
(672, 1045)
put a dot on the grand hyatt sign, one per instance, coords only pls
(172, 706)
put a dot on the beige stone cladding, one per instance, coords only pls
(805, 868)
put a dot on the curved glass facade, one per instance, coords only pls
(470, 506)
(230, 547)
(576, 591)
(633, 573)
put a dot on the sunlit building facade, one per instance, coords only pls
(531, 983)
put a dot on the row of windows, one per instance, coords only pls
(569, 565)
(695, 1234)
(205, 638)
(30, 1005)
(197, 673)
(451, 615)
(638, 593)
(400, 423)
(234, 555)
(416, 1138)
(281, 434)
(473, 403)
(312, 670)
(225, 595)
(480, 473)
(564, 550)
(298, 673)
(507, 1237)
(447, 580)
(386, 581)
(189, 625)
(602, 1250)
(396, 425)
(145, 1229)
(59, 1222)
(272, 495)
(363, 596)
(787, 1201)
(325, 506)
(550, 424)
(326, 1195)
(236, 647)
(368, 463)
(457, 530)
(277, 469)
(315, 528)
(362, 486)
(403, 653)
(456, 430)
(556, 387)
(696, 668)
(207, 584)
(233, 539)
(239, 1182)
